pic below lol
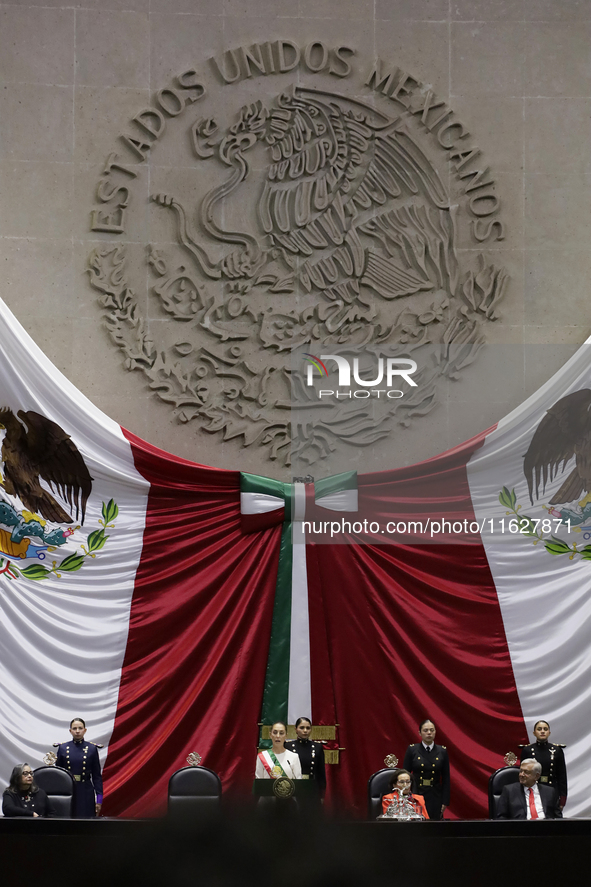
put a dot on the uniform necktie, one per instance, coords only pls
(532, 805)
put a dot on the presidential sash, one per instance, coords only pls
(274, 771)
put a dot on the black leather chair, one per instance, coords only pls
(194, 792)
(58, 785)
(500, 778)
(378, 785)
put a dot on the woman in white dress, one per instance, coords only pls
(277, 761)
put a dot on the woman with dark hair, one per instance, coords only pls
(310, 753)
(551, 757)
(277, 761)
(429, 766)
(400, 786)
(23, 797)
(81, 759)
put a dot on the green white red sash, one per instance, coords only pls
(276, 770)
(265, 503)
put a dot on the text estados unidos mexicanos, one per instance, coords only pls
(430, 527)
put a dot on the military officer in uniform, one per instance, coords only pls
(429, 765)
(310, 753)
(81, 759)
(551, 757)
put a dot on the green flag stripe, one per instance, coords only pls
(335, 484)
(255, 483)
(276, 690)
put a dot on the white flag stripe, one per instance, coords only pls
(299, 501)
(299, 700)
(260, 503)
(299, 697)
(343, 500)
(545, 600)
(63, 639)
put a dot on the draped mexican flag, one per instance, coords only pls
(155, 619)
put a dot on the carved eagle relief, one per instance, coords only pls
(563, 433)
(326, 210)
(33, 449)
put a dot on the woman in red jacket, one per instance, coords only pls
(400, 784)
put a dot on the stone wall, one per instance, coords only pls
(164, 242)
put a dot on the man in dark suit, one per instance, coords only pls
(527, 799)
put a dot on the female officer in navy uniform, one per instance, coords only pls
(81, 759)
(311, 754)
(429, 765)
(551, 757)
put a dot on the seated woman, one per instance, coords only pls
(23, 797)
(400, 785)
(277, 761)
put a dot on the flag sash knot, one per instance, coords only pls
(279, 502)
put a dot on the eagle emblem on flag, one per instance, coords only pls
(563, 435)
(44, 489)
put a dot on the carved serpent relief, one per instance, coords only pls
(350, 240)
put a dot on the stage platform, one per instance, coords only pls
(452, 829)
(244, 849)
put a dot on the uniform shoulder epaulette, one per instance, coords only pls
(98, 745)
(412, 744)
(444, 746)
(57, 744)
(559, 745)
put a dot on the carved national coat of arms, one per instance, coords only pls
(323, 223)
